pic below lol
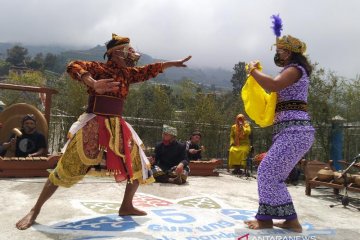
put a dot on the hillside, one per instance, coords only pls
(206, 76)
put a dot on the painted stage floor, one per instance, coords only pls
(204, 209)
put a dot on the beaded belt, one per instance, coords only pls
(291, 105)
(278, 127)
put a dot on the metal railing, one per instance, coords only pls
(215, 138)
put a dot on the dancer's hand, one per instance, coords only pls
(254, 64)
(177, 63)
(100, 86)
(180, 63)
(106, 85)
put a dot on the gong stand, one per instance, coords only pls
(345, 200)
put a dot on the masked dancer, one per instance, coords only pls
(101, 135)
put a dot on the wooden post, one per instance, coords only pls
(48, 95)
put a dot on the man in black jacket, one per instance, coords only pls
(170, 164)
(193, 147)
(28, 142)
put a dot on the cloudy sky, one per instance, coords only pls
(217, 33)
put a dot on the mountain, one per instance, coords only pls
(33, 49)
(206, 76)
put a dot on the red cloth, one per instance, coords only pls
(122, 170)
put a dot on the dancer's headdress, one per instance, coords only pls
(286, 42)
(115, 41)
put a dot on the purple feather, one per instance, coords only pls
(277, 25)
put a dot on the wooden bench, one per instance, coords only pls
(27, 167)
(204, 168)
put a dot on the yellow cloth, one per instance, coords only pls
(74, 164)
(259, 105)
(239, 153)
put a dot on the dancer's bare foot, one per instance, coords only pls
(257, 224)
(27, 221)
(131, 212)
(292, 225)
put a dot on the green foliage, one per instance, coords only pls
(37, 62)
(30, 78)
(188, 105)
(150, 101)
(4, 67)
(239, 77)
(72, 97)
(33, 78)
(50, 62)
(185, 106)
(329, 96)
(16, 55)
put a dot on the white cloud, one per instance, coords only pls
(218, 33)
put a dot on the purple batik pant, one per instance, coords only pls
(289, 146)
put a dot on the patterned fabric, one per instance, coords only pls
(290, 143)
(74, 163)
(291, 43)
(169, 130)
(278, 212)
(91, 138)
(115, 138)
(289, 146)
(104, 133)
(296, 91)
(291, 105)
(125, 76)
(291, 123)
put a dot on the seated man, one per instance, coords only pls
(28, 142)
(193, 148)
(170, 163)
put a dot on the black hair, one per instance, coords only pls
(28, 117)
(194, 133)
(110, 44)
(300, 59)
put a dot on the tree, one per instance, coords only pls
(239, 77)
(50, 62)
(4, 68)
(72, 97)
(30, 78)
(33, 78)
(16, 55)
(37, 62)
